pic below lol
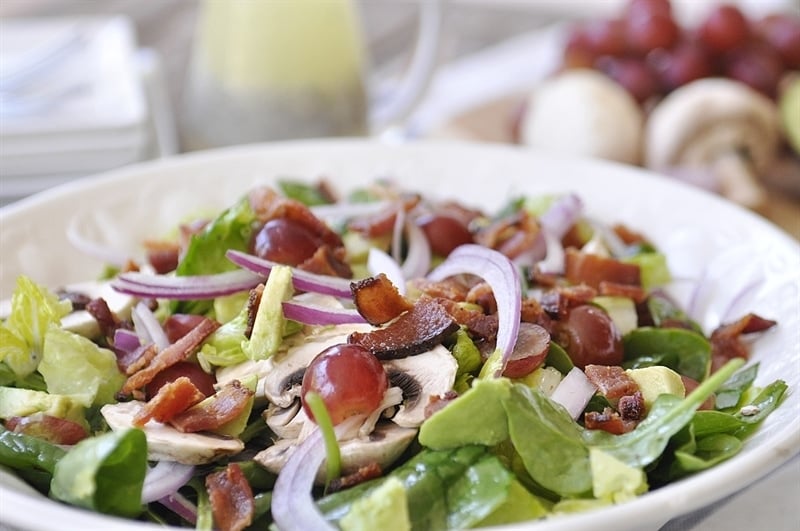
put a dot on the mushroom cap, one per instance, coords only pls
(707, 118)
(585, 113)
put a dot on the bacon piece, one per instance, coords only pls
(611, 380)
(78, 300)
(172, 398)
(231, 497)
(591, 269)
(614, 289)
(608, 420)
(627, 235)
(253, 300)
(327, 261)
(162, 255)
(133, 362)
(631, 407)
(382, 223)
(449, 289)
(557, 302)
(47, 427)
(364, 473)
(478, 323)
(418, 330)
(226, 405)
(269, 204)
(532, 312)
(482, 295)
(513, 235)
(378, 300)
(178, 351)
(726, 343)
(435, 403)
(107, 321)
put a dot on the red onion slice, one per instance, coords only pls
(302, 280)
(147, 326)
(574, 392)
(502, 276)
(293, 507)
(185, 288)
(126, 340)
(164, 479)
(177, 503)
(418, 258)
(563, 214)
(315, 314)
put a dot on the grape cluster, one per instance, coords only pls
(650, 54)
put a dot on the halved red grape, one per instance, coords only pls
(782, 32)
(530, 351)
(605, 37)
(650, 31)
(680, 66)
(349, 379)
(444, 233)
(637, 78)
(285, 241)
(758, 66)
(179, 324)
(590, 337)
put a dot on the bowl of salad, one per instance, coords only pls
(351, 335)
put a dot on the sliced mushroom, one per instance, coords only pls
(383, 446)
(431, 373)
(283, 373)
(165, 443)
(285, 422)
(721, 125)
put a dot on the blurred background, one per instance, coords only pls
(87, 86)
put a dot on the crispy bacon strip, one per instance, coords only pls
(726, 343)
(450, 289)
(364, 473)
(608, 420)
(178, 351)
(377, 299)
(558, 301)
(137, 360)
(591, 269)
(478, 323)
(513, 236)
(107, 321)
(614, 289)
(328, 261)
(424, 326)
(226, 405)
(631, 407)
(172, 398)
(231, 498)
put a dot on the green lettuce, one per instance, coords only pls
(22, 335)
(73, 365)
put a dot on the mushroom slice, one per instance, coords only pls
(383, 446)
(285, 422)
(165, 443)
(283, 373)
(431, 373)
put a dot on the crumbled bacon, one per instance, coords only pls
(608, 420)
(418, 330)
(636, 293)
(611, 380)
(78, 300)
(377, 299)
(591, 269)
(172, 398)
(631, 407)
(482, 295)
(514, 235)
(726, 343)
(136, 360)
(382, 223)
(627, 235)
(532, 312)
(107, 321)
(253, 300)
(228, 403)
(327, 261)
(178, 351)
(364, 473)
(478, 323)
(231, 498)
(449, 289)
(558, 301)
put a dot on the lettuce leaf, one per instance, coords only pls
(33, 309)
(73, 365)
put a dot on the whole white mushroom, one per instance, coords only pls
(584, 113)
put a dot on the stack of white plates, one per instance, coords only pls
(75, 99)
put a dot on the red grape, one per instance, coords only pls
(590, 337)
(349, 379)
(650, 31)
(201, 379)
(680, 66)
(285, 241)
(577, 53)
(661, 7)
(605, 37)
(179, 324)
(632, 74)
(724, 28)
(444, 233)
(782, 33)
(529, 352)
(758, 66)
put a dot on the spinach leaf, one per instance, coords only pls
(307, 194)
(104, 473)
(558, 358)
(23, 452)
(729, 395)
(715, 422)
(548, 441)
(693, 351)
(762, 405)
(704, 453)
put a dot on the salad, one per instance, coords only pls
(383, 361)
